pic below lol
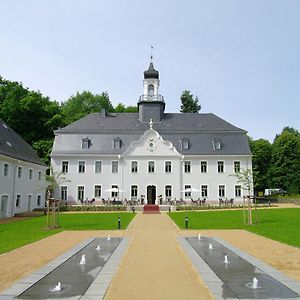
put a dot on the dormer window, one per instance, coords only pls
(117, 143)
(85, 143)
(217, 145)
(185, 145)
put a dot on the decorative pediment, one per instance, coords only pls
(151, 144)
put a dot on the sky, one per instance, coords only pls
(240, 57)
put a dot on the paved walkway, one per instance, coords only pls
(155, 267)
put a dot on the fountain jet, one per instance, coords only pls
(56, 288)
(83, 260)
(210, 247)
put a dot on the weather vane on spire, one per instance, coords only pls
(151, 56)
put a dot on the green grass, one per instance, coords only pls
(16, 234)
(282, 225)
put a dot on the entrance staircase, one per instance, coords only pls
(151, 209)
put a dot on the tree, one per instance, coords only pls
(43, 149)
(188, 103)
(121, 108)
(85, 103)
(261, 159)
(285, 162)
(29, 113)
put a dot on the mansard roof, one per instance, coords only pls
(128, 122)
(199, 129)
(12, 145)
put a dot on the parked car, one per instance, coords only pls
(270, 192)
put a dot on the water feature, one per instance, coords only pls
(73, 277)
(199, 236)
(239, 278)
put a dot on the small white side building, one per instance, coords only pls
(151, 155)
(22, 175)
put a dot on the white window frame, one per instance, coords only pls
(30, 174)
(20, 171)
(236, 166)
(6, 169)
(64, 192)
(204, 190)
(238, 191)
(80, 192)
(81, 166)
(151, 166)
(203, 166)
(38, 200)
(98, 166)
(134, 191)
(65, 166)
(115, 166)
(115, 194)
(134, 167)
(168, 166)
(187, 166)
(97, 190)
(168, 191)
(220, 166)
(187, 194)
(222, 190)
(18, 200)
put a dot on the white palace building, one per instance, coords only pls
(150, 155)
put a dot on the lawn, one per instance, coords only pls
(16, 234)
(282, 225)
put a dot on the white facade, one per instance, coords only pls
(22, 186)
(172, 174)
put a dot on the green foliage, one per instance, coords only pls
(43, 149)
(188, 103)
(20, 233)
(245, 179)
(277, 165)
(85, 103)
(121, 108)
(277, 224)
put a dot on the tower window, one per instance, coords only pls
(151, 90)
(151, 167)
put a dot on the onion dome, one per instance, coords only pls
(151, 72)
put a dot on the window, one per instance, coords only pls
(203, 166)
(217, 144)
(85, 143)
(98, 166)
(221, 190)
(186, 187)
(134, 167)
(29, 197)
(134, 191)
(30, 174)
(115, 166)
(38, 200)
(220, 166)
(185, 144)
(238, 191)
(168, 191)
(187, 167)
(115, 190)
(151, 167)
(81, 166)
(40, 176)
(117, 143)
(65, 166)
(237, 166)
(151, 90)
(18, 200)
(20, 169)
(168, 167)
(97, 191)
(64, 193)
(204, 190)
(80, 193)
(6, 170)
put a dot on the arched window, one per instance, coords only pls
(151, 90)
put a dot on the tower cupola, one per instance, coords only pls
(151, 104)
